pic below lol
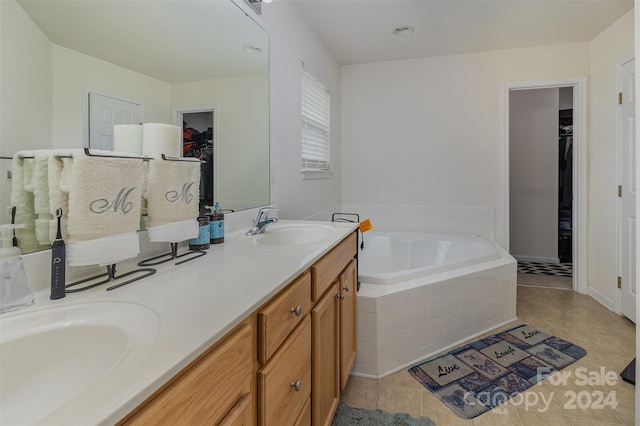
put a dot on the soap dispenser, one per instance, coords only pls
(216, 223)
(14, 291)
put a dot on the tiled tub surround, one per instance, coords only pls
(403, 323)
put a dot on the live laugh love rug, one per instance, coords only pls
(481, 375)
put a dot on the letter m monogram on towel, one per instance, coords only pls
(121, 202)
(184, 195)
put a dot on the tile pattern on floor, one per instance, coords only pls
(610, 343)
(558, 269)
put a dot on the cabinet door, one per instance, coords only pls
(240, 414)
(325, 358)
(348, 299)
(214, 388)
(284, 383)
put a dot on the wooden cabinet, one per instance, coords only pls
(325, 357)
(286, 364)
(214, 389)
(348, 285)
(326, 270)
(281, 315)
(284, 383)
(333, 328)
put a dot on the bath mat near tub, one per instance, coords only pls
(477, 377)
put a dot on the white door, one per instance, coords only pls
(627, 225)
(104, 113)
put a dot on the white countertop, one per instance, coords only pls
(195, 304)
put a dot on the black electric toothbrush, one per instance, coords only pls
(58, 262)
(13, 222)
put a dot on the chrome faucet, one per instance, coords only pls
(261, 221)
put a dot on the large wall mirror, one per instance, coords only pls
(188, 60)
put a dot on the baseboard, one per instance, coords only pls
(536, 259)
(602, 299)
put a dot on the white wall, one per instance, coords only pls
(74, 72)
(533, 174)
(242, 144)
(291, 42)
(25, 84)
(611, 47)
(429, 131)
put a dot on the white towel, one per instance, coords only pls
(103, 251)
(173, 191)
(104, 195)
(41, 182)
(160, 138)
(58, 199)
(28, 167)
(23, 200)
(127, 138)
(174, 232)
(41, 195)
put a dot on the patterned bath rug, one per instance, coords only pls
(350, 416)
(477, 377)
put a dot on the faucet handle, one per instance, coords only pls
(263, 214)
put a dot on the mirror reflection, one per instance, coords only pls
(201, 65)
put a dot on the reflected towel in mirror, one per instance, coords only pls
(58, 198)
(41, 195)
(23, 200)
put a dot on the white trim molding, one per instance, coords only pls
(579, 219)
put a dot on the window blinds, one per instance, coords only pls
(316, 101)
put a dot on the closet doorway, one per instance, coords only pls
(199, 131)
(545, 177)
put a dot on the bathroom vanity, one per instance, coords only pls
(262, 330)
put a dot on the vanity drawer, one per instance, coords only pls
(284, 383)
(278, 319)
(326, 270)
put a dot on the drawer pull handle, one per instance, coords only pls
(346, 288)
(297, 385)
(297, 310)
(340, 296)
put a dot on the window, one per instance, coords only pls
(316, 108)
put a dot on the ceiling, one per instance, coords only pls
(360, 31)
(171, 40)
(175, 40)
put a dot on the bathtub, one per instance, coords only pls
(424, 293)
(390, 257)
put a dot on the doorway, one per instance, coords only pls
(200, 141)
(577, 214)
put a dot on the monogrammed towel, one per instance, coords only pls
(104, 194)
(173, 191)
(23, 200)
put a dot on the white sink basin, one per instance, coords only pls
(294, 234)
(49, 356)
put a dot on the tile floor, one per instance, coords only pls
(550, 281)
(608, 339)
